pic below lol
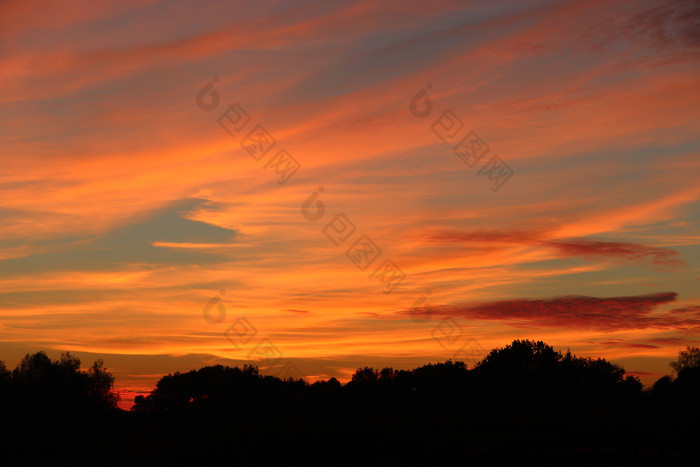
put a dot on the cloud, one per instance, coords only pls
(662, 25)
(594, 105)
(631, 345)
(671, 341)
(129, 244)
(605, 314)
(690, 309)
(623, 252)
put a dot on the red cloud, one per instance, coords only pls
(589, 249)
(628, 252)
(674, 341)
(606, 314)
(631, 345)
(691, 309)
(486, 236)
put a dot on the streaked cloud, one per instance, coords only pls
(126, 208)
(606, 314)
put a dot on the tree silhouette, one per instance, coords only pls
(5, 381)
(688, 358)
(365, 375)
(39, 384)
(522, 403)
(521, 355)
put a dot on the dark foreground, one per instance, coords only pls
(524, 404)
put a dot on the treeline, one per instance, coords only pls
(525, 401)
(39, 385)
(523, 376)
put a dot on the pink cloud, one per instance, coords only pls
(624, 252)
(606, 314)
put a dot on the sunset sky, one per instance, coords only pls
(314, 186)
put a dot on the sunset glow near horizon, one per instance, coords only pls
(316, 186)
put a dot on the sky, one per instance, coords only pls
(315, 186)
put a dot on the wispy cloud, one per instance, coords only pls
(606, 314)
(125, 207)
(589, 249)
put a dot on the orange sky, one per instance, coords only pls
(131, 197)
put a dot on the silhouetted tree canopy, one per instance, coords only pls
(40, 385)
(522, 402)
(688, 358)
(524, 375)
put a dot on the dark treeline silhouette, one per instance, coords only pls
(523, 402)
(39, 385)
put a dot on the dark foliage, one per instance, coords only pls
(39, 385)
(525, 402)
